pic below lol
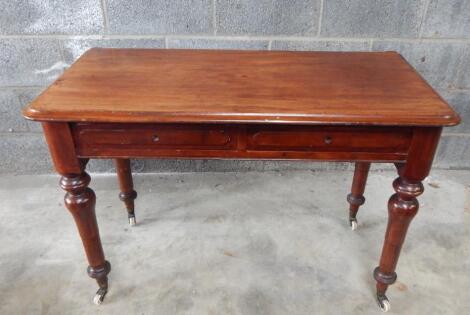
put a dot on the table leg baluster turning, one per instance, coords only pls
(403, 206)
(356, 197)
(127, 194)
(80, 201)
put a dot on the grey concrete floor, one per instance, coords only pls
(234, 243)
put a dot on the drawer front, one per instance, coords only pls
(326, 138)
(93, 137)
(241, 141)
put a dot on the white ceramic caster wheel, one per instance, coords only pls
(132, 221)
(384, 303)
(98, 299)
(99, 296)
(353, 225)
(385, 306)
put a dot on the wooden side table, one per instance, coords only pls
(133, 103)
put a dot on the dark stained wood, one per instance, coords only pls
(80, 201)
(325, 138)
(127, 194)
(356, 197)
(362, 107)
(421, 153)
(403, 205)
(251, 155)
(62, 148)
(159, 136)
(402, 208)
(242, 141)
(200, 86)
(79, 198)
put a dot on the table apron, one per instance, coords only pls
(232, 141)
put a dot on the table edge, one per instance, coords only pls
(250, 118)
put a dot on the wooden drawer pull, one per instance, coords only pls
(155, 138)
(328, 140)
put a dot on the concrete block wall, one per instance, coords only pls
(41, 38)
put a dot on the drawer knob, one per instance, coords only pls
(328, 140)
(155, 138)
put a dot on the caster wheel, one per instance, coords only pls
(99, 296)
(132, 221)
(384, 303)
(353, 223)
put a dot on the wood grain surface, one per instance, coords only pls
(204, 86)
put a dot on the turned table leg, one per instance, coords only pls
(403, 206)
(127, 194)
(80, 201)
(356, 197)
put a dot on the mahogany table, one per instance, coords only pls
(134, 103)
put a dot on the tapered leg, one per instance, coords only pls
(402, 207)
(127, 194)
(356, 197)
(80, 201)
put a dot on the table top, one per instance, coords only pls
(227, 86)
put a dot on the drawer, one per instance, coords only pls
(241, 141)
(326, 138)
(90, 138)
